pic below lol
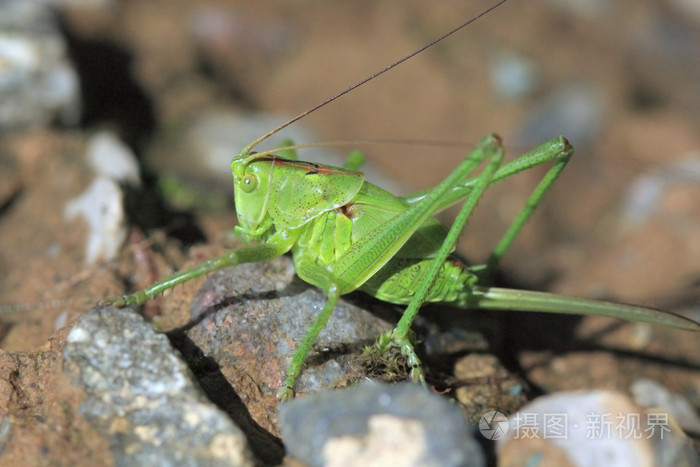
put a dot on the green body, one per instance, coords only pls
(347, 234)
(325, 212)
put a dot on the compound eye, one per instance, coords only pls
(249, 183)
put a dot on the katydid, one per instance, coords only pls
(346, 234)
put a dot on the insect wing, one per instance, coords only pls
(374, 206)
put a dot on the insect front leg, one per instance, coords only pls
(274, 247)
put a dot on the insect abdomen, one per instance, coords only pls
(400, 278)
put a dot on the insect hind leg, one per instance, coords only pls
(560, 151)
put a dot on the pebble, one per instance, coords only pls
(584, 9)
(250, 319)
(216, 136)
(101, 205)
(375, 424)
(110, 157)
(38, 83)
(141, 397)
(644, 195)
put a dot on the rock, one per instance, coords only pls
(487, 385)
(214, 137)
(250, 319)
(38, 84)
(376, 424)
(644, 197)
(584, 9)
(651, 394)
(110, 157)
(591, 429)
(101, 206)
(140, 396)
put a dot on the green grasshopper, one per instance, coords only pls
(346, 234)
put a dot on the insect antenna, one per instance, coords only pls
(354, 142)
(249, 147)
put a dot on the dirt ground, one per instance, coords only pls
(152, 67)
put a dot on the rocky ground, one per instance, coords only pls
(137, 107)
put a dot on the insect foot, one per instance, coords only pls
(117, 302)
(390, 341)
(285, 393)
(121, 301)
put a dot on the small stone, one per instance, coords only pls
(376, 424)
(38, 84)
(250, 320)
(486, 385)
(102, 208)
(141, 397)
(110, 157)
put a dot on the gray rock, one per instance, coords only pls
(101, 207)
(378, 424)
(38, 84)
(110, 157)
(252, 317)
(83, 4)
(584, 9)
(139, 396)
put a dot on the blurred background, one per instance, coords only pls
(180, 86)
(119, 119)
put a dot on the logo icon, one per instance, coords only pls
(493, 425)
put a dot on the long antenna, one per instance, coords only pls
(259, 140)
